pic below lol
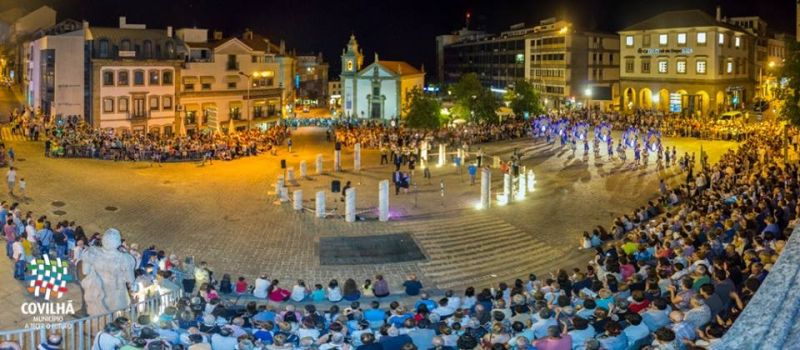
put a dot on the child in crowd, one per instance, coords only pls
(318, 295)
(241, 285)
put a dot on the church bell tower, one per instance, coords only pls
(352, 57)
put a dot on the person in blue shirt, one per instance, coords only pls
(613, 338)
(581, 332)
(393, 340)
(637, 332)
(413, 286)
(45, 238)
(423, 300)
(375, 316)
(473, 171)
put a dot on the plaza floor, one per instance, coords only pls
(226, 213)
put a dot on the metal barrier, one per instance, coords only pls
(79, 334)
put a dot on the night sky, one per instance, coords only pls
(397, 30)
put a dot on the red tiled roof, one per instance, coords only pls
(399, 67)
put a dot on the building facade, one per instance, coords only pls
(17, 27)
(311, 81)
(497, 60)
(445, 40)
(570, 67)
(378, 91)
(54, 71)
(235, 81)
(688, 62)
(335, 99)
(132, 73)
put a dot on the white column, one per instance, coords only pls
(320, 204)
(290, 174)
(424, 150)
(531, 180)
(319, 164)
(383, 201)
(303, 169)
(521, 186)
(280, 183)
(442, 150)
(337, 160)
(350, 205)
(486, 186)
(298, 200)
(507, 185)
(284, 193)
(357, 157)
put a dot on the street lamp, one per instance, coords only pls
(249, 84)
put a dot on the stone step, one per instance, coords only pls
(452, 238)
(432, 232)
(488, 244)
(468, 263)
(483, 273)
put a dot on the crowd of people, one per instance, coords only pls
(673, 274)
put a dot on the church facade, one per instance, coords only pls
(379, 90)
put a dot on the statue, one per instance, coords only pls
(107, 274)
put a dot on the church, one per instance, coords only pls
(377, 91)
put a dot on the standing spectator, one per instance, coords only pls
(11, 179)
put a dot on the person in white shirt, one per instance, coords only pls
(11, 179)
(109, 338)
(453, 302)
(260, 287)
(299, 291)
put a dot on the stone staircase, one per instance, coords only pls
(480, 250)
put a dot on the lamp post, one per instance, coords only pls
(250, 84)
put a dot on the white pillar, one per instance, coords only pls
(531, 180)
(507, 185)
(350, 205)
(383, 201)
(357, 157)
(281, 183)
(442, 150)
(284, 193)
(319, 164)
(290, 174)
(424, 150)
(486, 186)
(298, 200)
(320, 204)
(337, 160)
(303, 169)
(521, 186)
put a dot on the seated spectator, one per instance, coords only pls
(391, 339)
(381, 287)
(350, 291)
(555, 340)
(412, 285)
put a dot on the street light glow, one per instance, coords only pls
(588, 92)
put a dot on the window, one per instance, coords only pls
(148, 49)
(122, 105)
(125, 45)
(629, 66)
(663, 39)
(681, 38)
(721, 38)
(154, 77)
(166, 102)
(108, 78)
(701, 38)
(611, 58)
(629, 40)
(646, 40)
(701, 67)
(138, 77)
(681, 67)
(205, 86)
(188, 87)
(108, 105)
(122, 78)
(232, 85)
(166, 77)
(729, 67)
(103, 48)
(663, 66)
(646, 65)
(737, 41)
(154, 103)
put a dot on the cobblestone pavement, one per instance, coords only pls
(226, 213)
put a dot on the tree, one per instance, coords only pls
(473, 102)
(791, 94)
(424, 112)
(524, 98)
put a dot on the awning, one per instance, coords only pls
(232, 78)
(189, 80)
(207, 80)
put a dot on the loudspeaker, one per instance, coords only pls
(338, 146)
(336, 186)
(283, 163)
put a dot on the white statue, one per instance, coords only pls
(107, 274)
